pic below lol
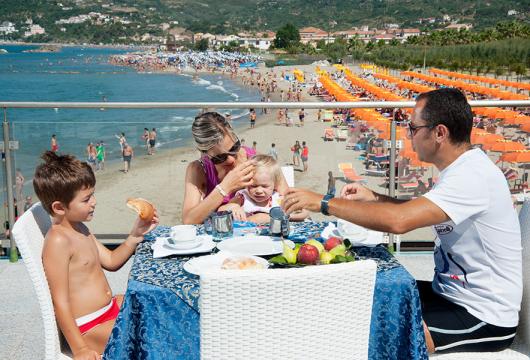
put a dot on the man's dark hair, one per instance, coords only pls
(449, 107)
(59, 178)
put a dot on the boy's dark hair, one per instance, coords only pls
(59, 178)
(449, 107)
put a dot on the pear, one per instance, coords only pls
(326, 257)
(338, 250)
(316, 244)
(289, 254)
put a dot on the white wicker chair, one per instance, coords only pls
(29, 232)
(520, 348)
(316, 312)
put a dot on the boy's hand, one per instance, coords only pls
(142, 227)
(87, 354)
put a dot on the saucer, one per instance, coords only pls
(182, 245)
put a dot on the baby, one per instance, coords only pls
(74, 260)
(254, 202)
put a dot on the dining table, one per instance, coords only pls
(160, 315)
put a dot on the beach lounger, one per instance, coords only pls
(342, 134)
(329, 134)
(343, 166)
(376, 172)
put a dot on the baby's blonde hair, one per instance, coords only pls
(266, 162)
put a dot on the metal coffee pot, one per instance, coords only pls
(279, 223)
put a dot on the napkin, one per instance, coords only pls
(364, 237)
(161, 250)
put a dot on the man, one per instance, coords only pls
(305, 155)
(474, 299)
(152, 142)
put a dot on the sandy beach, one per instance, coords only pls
(160, 178)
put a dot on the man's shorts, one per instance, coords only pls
(453, 329)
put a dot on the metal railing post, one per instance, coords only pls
(392, 175)
(13, 255)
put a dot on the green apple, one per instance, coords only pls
(316, 244)
(338, 250)
(326, 257)
(289, 254)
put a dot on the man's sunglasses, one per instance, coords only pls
(413, 129)
(221, 158)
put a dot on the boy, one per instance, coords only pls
(74, 260)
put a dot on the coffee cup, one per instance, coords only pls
(183, 233)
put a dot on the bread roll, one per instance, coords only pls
(144, 208)
(241, 264)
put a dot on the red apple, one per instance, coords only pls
(331, 243)
(308, 254)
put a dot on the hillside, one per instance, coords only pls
(137, 17)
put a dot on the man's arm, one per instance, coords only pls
(56, 256)
(377, 214)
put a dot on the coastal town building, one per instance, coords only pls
(34, 29)
(459, 27)
(312, 35)
(260, 41)
(7, 28)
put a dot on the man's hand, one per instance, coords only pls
(355, 191)
(87, 354)
(300, 199)
(142, 227)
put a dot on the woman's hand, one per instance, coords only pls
(355, 191)
(239, 177)
(142, 227)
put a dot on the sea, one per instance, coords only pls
(84, 74)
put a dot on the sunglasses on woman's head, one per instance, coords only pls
(221, 158)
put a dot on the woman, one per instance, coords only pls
(296, 153)
(222, 169)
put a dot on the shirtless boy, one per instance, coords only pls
(74, 260)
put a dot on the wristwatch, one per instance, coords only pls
(324, 204)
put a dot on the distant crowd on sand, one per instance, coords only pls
(186, 61)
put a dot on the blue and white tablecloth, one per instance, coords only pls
(160, 316)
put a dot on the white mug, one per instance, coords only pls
(183, 233)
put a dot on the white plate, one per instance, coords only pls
(160, 249)
(253, 245)
(214, 262)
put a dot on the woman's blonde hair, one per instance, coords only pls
(268, 163)
(209, 129)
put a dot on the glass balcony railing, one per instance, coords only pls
(367, 147)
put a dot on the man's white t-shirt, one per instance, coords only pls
(478, 254)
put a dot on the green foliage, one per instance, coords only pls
(287, 37)
(201, 45)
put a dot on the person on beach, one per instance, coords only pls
(252, 117)
(100, 156)
(272, 152)
(74, 260)
(305, 155)
(296, 148)
(127, 154)
(301, 116)
(152, 141)
(54, 145)
(121, 140)
(19, 184)
(319, 115)
(28, 203)
(145, 139)
(331, 184)
(255, 201)
(279, 117)
(91, 156)
(473, 302)
(222, 169)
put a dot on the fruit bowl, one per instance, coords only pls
(313, 252)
